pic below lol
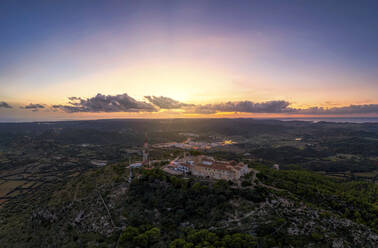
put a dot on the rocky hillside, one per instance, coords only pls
(102, 209)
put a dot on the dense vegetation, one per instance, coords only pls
(144, 236)
(159, 210)
(324, 193)
(181, 201)
(354, 200)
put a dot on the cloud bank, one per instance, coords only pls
(273, 107)
(351, 109)
(244, 107)
(5, 105)
(126, 103)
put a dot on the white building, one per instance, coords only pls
(136, 165)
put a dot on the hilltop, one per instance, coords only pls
(272, 208)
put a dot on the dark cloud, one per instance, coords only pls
(245, 107)
(351, 109)
(5, 105)
(33, 107)
(103, 103)
(282, 107)
(125, 103)
(74, 98)
(166, 102)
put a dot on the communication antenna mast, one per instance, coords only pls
(131, 172)
(146, 159)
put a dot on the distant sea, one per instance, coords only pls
(334, 119)
(310, 119)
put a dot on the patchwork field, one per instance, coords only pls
(8, 186)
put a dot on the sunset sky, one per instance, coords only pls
(194, 58)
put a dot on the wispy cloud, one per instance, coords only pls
(33, 107)
(5, 105)
(166, 102)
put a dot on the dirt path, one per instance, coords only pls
(76, 190)
(254, 182)
(106, 207)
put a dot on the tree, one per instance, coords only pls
(141, 240)
(180, 243)
(153, 235)
(129, 234)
